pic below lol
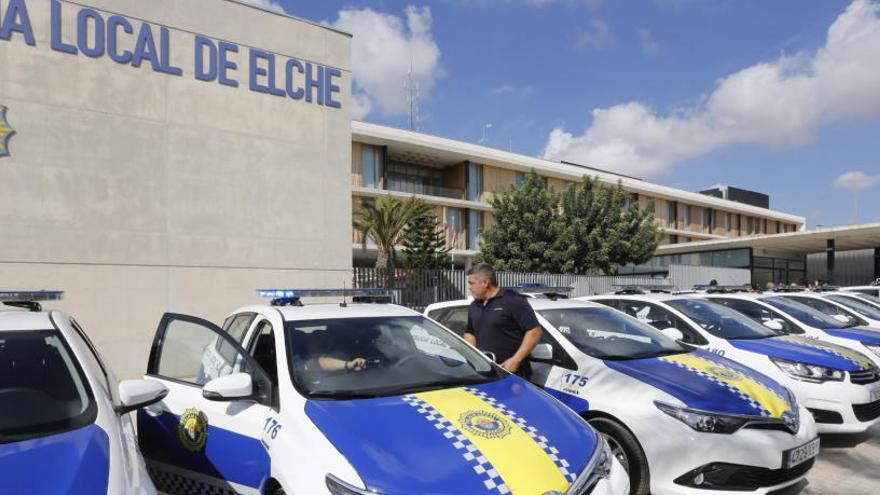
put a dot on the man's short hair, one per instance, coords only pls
(484, 270)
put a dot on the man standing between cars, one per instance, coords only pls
(501, 321)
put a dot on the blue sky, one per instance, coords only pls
(689, 93)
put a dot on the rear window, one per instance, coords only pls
(42, 388)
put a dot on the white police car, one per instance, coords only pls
(64, 422)
(840, 386)
(354, 399)
(871, 290)
(680, 420)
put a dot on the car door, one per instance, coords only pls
(192, 444)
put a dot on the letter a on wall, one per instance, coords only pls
(6, 132)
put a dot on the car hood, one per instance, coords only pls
(868, 335)
(459, 440)
(74, 462)
(708, 382)
(807, 350)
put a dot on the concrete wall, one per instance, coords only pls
(139, 192)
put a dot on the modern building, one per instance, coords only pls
(459, 178)
(170, 156)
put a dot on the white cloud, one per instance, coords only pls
(597, 36)
(267, 4)
(776, 104)
(648, 43)
(383, 49)
(856, 180)
(511, 90)
(595, 4)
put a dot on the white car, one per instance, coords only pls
(840, 386)
(838, 307)
(871, 290)
(348, 399)
(874, 301)
(64, 422)
(680, 420)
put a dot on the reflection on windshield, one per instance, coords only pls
(721, 321)
(861, 307)
(804, 313)
(42, 389)
(346, 358)
(608, 334)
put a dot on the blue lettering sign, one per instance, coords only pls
(226, 65)
(17, 20)
(201, 45)
(57, 44)
(269, 71)
(292, 64)
(113, 24)
(330, 88)
(82, 32)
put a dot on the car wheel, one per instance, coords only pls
(627, 450)
(279, 491)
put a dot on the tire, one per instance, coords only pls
(279, 491)
(628, 451)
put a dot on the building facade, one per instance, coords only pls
(458, 179)
(170, 155)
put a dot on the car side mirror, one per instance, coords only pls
(135, 394)
(542, 352)
(673, 333)
(490, 355)
(232, 387)
(774, 325)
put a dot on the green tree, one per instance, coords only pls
(522, 238)
(424, 244)
(385, 222)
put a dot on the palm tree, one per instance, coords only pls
(385, 222)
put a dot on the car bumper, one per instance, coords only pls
(617, 482)
(839, 407)
(753, 449)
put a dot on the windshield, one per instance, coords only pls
(348, 358)
(721, 321)
(868, 297)
(608, 334)
(42, 388)
(830, 309)
(804, 313)
(863, 308)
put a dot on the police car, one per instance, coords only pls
(64, 422)
(840, 386)
(871, 290)
(840, 306)
(348, 399)
(680, 420)
(788, 316)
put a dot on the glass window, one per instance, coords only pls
(370, 166)
(520, 179)
(659, 318)
(720, 320)
(42, 387)
(453, 227)
(608, 334)
(93, 357)
(359, 357)
(687, 218)
(870, 292)
(474, 181)
(726, 222)
(671, 214)
(803, 313)
(195, 354)
(237, 325)
(759, 313)
(262, 349)
(454, 319)
(854, 303)
(830, 309)
(475, 227)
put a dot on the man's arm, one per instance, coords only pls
(529, 341)
(469, 333)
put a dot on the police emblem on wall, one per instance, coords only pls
(6, 132)
(193, 429)
(485, 424)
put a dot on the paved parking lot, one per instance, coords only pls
(847, 465)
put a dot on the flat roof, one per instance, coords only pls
(847, 238)
(284, 13)
(450, 151)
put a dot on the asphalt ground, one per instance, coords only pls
(847, 465)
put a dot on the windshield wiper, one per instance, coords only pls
(341, 394)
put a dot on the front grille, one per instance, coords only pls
(867, 412)
(734, 477)
(864, 377)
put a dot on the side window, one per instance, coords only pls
(92, 355)
(454, 319)
(660, 318)
(194, 353)
(611, 303)
(237, 325)
(262, 349)
(759, 313)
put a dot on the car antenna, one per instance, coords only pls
(343, 303)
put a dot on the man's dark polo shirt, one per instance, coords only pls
(501, 324)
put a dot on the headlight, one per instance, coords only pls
(598, 467)
(703, 421)
(874, 348)
(605, 460)
(808, 372)
(339, 487)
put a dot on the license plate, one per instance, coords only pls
(800, 455)
(875, 395)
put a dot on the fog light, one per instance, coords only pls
(699, 479)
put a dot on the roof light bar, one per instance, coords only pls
(275, 293)
(28, 299)
(722, 288)
(541, 288)
(641, 288)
